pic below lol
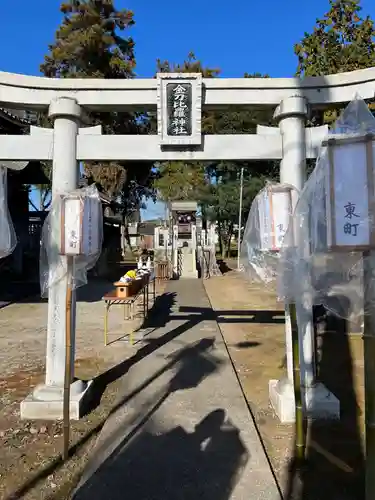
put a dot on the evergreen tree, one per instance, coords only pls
(92, 42)
(341, 41)
(87, 44)
(178, 180)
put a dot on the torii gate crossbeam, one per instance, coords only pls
(32, 92)
(39, 146)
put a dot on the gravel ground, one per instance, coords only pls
(29, 451)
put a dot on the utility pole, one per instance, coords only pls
(240, 220)
(165, 214)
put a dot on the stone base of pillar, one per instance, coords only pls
(46, 402)
(320, 403)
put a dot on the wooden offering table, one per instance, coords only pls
(127, 295)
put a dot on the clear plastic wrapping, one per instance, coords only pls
(8, 238)
(327, 247)
(268, 220)
(72, 238)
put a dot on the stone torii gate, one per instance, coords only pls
(67, 144)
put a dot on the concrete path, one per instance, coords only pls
(183, 430)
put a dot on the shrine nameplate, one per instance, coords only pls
(179, 109)
(179, 112)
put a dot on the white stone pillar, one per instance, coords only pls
(65, 170)
(203, 238)
(211, 235)
(165, 233)
(46, 400)
(193, 236)
(291, 115)
(175, 251)
(194, 249)
(156, 237)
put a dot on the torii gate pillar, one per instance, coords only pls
(318, 401)
(46, 401)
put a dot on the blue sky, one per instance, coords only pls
(238, 36)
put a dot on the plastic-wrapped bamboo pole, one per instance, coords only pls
(297, 377)
(369, 334)
(68, 360)
(300, 438)
(369, 337)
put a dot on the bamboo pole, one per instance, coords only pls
(68, 361)
(300, 439)
(369, 330)
(369, 372)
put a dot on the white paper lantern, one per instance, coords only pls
(350, 194)
(80, 226)
(275, 206)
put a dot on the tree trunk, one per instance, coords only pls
(221, 247)
(126, 235)
(229, 241)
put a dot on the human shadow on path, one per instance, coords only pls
(176, 465)
(152, 465)
(191, 365)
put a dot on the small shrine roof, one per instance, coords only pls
(18, 116)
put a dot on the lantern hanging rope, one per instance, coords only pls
(323, 253)
(268, 220)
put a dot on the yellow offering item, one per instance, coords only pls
(131, 274)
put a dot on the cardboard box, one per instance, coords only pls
(124, 290)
